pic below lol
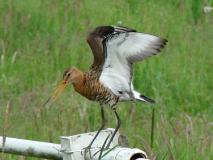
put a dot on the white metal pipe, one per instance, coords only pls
(120, 153)
(30, 148)
(73, 147)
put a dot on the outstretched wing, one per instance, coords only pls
(95, 40)
(122, 49)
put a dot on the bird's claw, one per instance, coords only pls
(100, 155)
(86, 150)
(102, 148)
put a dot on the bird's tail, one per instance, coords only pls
(143, 98)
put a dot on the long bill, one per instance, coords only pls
(57, 92)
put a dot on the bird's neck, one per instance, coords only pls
(79, 84)
(83, 87)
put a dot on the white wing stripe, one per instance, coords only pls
(131, 44)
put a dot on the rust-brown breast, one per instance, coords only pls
(92, 89)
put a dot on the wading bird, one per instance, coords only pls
(109, 80)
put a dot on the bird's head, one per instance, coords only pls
(71, 76)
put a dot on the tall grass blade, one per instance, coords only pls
(196, 10)
(5, 124)
(152, 126)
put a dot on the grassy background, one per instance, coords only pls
(41, 38)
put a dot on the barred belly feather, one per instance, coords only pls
(92, 89)
(106, 97)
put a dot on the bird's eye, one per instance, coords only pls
(65, 73)
(68, 74)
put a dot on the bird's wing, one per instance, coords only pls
(122, 49)
(95, 41)
(96, 38)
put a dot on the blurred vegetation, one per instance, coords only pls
(41, 38)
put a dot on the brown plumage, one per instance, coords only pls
(87, 84)
(109, 79)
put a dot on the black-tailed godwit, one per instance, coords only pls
(109, 80)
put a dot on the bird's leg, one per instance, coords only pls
(111, 139)
(96, 135)
(116, 129)
(102, 148)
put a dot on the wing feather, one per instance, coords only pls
(122, 50)
(136, 46)
(95, 41)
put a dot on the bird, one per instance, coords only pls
(110, 77)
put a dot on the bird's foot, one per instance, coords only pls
(104, 151)
(87, 150)
(102, 148)
(101, 152)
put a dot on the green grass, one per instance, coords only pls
(39, 39)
